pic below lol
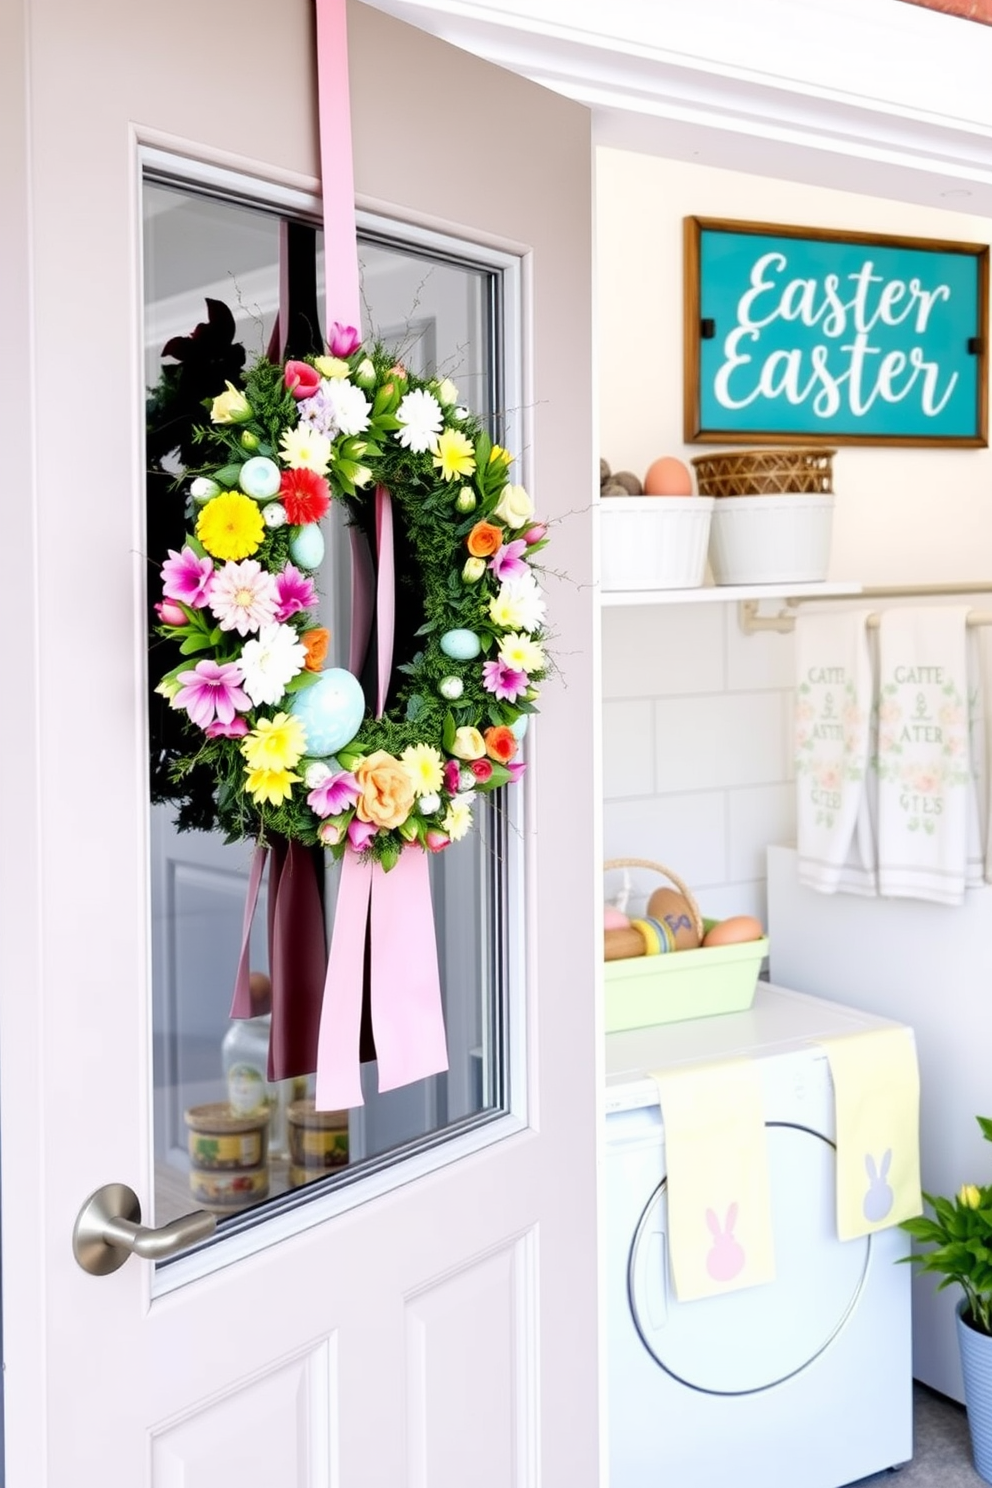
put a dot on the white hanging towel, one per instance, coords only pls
(833, 726)
(923, 760)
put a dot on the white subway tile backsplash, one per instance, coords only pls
(628, 749)
(687, 833)
(662, 650)
(762, 814)
(705, 743)
(757, 662)
(736, 899)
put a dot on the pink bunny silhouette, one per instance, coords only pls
(726, 1258)
(879, 1198)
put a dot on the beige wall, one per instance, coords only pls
(901, 515)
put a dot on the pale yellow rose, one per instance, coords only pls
(446, 392)
(969, 1196)
(473, 569)
(331, 366)
(469, 744)
(231, 407)
(387, 790)
(514, 506)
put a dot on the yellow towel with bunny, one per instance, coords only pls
(719, 1191)
(877, 1101)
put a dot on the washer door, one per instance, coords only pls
(750, 1340)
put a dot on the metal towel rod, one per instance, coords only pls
(751, 622)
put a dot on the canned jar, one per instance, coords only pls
(219, 1140)
(317, 1139)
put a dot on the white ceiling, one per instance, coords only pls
(873, 96)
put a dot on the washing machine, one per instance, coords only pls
(802, 1383)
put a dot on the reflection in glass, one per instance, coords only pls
(225, 1137)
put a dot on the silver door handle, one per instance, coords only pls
(108, 1229)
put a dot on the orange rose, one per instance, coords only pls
(501, 743)
(387, 794)
(316, 641)
(484, 540)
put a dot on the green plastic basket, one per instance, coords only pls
(646, 990)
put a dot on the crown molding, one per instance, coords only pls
(866, 95)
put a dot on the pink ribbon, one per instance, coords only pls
(336, 165)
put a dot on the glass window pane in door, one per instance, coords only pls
(225, 1138)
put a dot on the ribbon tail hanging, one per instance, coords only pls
(407, 1015)
(241, 1001)
(296, 965)
(337, 168)
(339, 1078)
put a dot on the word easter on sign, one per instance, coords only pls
(804, 336)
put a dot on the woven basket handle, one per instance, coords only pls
(683, 889)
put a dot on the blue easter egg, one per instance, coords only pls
(519, 725)
(331, 710)
(260, 477)
(307, 548)
(460, 645)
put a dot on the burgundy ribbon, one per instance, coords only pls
(296, 955)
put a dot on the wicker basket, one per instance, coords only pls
(766, 472)
(645, 991)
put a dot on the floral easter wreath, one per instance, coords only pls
(294, 750)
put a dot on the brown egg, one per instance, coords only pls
(735, 930)
(673, 909)
(668, 477)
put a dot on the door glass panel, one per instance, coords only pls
(223, 1137)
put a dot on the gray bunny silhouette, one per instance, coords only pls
(879, 1198)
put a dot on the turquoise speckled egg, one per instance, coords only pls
(460, 645)
(307, 548)
(331, 710)
(519, 725)
(260, 478)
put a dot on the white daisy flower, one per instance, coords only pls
(270, 662)
(458, 818)
(352, 410)
(519, 605)
(421, 418)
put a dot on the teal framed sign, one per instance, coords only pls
(799, 336)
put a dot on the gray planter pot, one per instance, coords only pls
(976, 1366)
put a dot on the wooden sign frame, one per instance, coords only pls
(944, 315)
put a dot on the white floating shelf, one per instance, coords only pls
(723, 593)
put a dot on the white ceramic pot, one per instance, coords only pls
(654, 542)
(771, 539)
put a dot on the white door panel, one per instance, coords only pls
(442, 1333)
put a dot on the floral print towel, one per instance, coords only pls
(833, 725)
(925, 791)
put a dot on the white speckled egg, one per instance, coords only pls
(307, 548)
(260, 477)
(451, 688)
(460, 645)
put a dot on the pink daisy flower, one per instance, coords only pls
(506, 562)
(335, 794)
(187, 578)
(236, 729)
(243, 597)
(212, 691)
(504, 681)
(294, 592)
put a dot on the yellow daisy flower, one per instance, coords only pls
(521, 653)
(425, 768)
(304, 448)
(455, 455)
(230, 526)
(275, 743)
(274, 786)
(506, 609)
(458, 818)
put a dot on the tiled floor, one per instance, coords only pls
(942, 1449)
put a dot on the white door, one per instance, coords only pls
(433, 1322)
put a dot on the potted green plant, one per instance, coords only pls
(960, 1234)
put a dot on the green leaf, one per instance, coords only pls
(985, 1123)
(228, 475)
(448, 735)
(302, 681)
(195, 545)
(194, 643)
